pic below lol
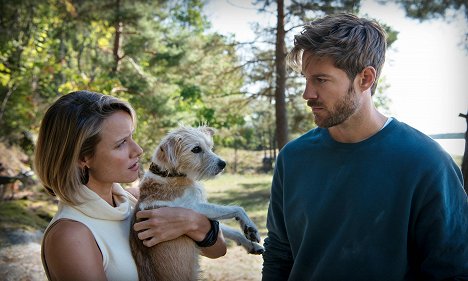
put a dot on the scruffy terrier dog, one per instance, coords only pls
(183, 158)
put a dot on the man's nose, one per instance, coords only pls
(309, 93)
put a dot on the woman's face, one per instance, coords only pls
(117, 154)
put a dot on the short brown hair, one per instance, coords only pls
(70, 130)
(352, 42)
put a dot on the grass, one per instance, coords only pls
(252, 192)
(31, 212)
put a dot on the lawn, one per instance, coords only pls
(252, 192)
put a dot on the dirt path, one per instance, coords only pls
(20, 260)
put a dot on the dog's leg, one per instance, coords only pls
(219, 212)
(236, 236)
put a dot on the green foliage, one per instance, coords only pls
(158, 55)
(18, 214)
(424, 10)
(261, 64)
(427, 10)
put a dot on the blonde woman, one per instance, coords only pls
(84, 150)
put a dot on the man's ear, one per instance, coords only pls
(367, 78)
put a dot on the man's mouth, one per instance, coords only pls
(315, 106)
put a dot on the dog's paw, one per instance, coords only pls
(256, 249)
(251, 233)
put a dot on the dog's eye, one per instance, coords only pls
(196, 149)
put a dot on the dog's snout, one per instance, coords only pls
(221, 164)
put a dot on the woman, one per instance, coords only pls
(84, 150)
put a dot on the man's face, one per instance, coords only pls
(328, 91)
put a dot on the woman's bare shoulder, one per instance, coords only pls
(71, 250)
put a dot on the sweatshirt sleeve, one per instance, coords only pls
(440, 228)
(277, 258)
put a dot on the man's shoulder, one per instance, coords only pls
(416, 147)
(410, 137)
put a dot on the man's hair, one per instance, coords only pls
(70, 131)
(353, 43)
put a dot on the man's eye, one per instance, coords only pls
(320, 80)
(196, 149)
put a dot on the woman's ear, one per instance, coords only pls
(83, 162)
(367, 78)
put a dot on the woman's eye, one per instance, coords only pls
(121, 144)
(196, 149)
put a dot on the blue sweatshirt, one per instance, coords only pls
(391, 207)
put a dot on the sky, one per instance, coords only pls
(426, 68)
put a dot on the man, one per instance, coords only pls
(363, 196)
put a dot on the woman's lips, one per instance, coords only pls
(134, 167)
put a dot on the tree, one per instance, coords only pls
(280, 88)
(423, 10)
(156, 54)
(464, 165)
(294, 15)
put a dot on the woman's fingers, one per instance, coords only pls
(143, 235)
(163, 224)
(150, 242)
(145, 214)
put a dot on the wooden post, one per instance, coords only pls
(464, 165)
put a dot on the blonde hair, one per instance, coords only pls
(70, 131)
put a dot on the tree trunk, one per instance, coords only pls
(117, 38)
(280, 63)
(10, 91)
(464, 165)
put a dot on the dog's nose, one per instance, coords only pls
(221, 164)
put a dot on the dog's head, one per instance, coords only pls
(188, 150)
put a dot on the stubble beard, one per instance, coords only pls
(342, 110)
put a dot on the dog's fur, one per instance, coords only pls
(185, 157)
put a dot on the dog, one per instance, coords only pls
(182, 159)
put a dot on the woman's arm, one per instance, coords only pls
(71, 253)
(168, 223)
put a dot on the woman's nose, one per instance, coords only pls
(137, 149)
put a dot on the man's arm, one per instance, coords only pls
(277, 258)
(441, 226)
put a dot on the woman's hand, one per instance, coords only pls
(168, 223)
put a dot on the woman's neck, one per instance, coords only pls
(103, 190)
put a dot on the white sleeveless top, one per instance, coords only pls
(110, 227)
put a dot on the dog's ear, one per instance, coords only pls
(207, 130)
(166, 154)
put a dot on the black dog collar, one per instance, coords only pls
(155, 169)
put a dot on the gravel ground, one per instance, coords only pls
(20, 260)
(20, 256)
